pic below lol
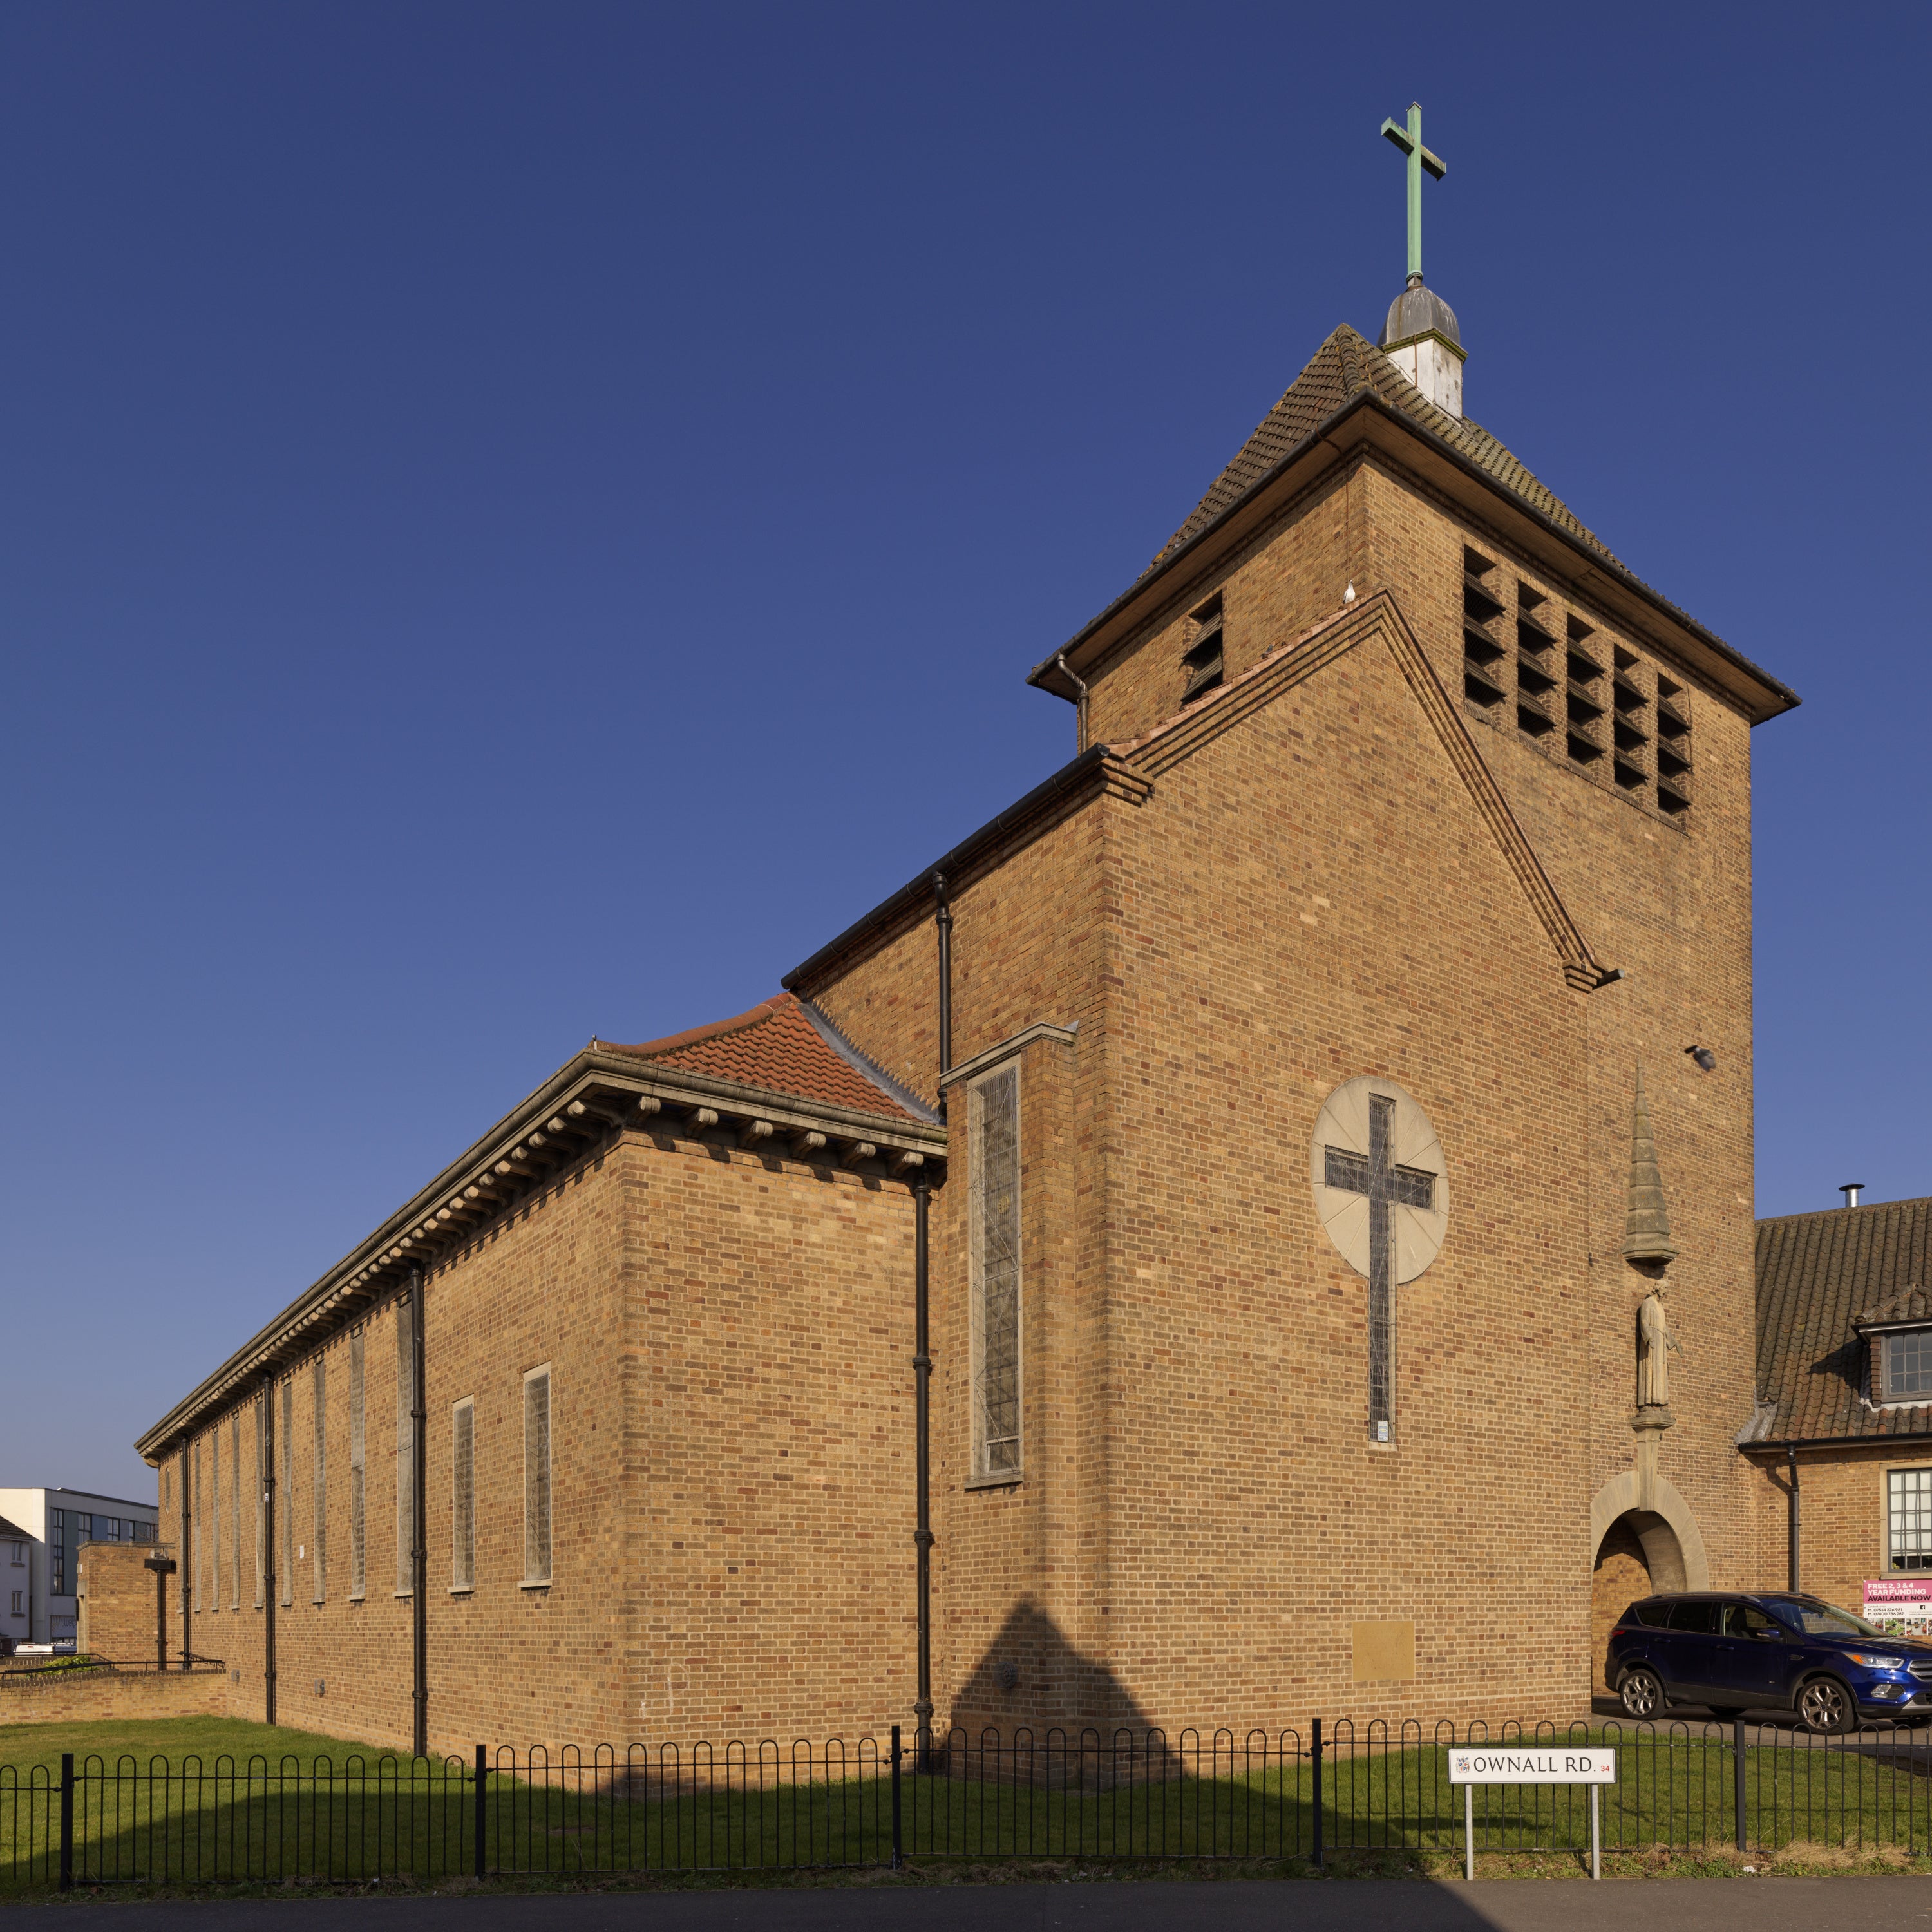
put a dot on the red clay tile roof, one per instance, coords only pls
(777, 1046)
(1819, 1277)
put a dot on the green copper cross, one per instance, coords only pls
(1409, 140)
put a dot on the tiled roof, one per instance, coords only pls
(14, 1532)
(784, 1046)
(1914, 1305)
(1344, 366)
(1818, 1276)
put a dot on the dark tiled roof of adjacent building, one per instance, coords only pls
(1914, 1305)
(784, 1046)
(1344, 365)
(12, 1532)
(1819, 1277)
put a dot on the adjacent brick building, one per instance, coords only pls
(1841, 1436)
(1267, 1074)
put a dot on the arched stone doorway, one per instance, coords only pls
(1639, 1554)
(1645, 1539)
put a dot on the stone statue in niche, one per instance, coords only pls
(1649, 1249)
(1655, 1345)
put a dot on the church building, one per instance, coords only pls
(1262, 1227)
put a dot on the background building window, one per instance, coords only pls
(17, 1610)
(1908, 1366)
(463, 1495)
(536, 1476)
(993, 1209)
(1909, 1498)
(19, 1555)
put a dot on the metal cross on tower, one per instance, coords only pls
(1409, 140)
(1387, 1187)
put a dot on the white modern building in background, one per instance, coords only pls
(41, 1531)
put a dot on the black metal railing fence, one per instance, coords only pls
(1338, 1792)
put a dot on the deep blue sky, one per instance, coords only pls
(521, 522)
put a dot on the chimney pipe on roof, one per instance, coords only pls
(1850, 1190)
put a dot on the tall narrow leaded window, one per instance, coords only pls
(357, 1579)
(536, 1475)
(320, 1474)
(285, 1513)
(235, 1502)
(261, 1415)
(405, 1486)
(195, 1524)
(1909, 1500)
(993, 1209)
(214, 1517)
(463, 1495)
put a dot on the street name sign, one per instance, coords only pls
(1473, 1764)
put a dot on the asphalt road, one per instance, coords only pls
(1307, 1905)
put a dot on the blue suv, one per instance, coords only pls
(1768, 1650)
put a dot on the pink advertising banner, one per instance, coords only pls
(1902, 1605)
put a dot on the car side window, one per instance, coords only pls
(1652, 1616)
(1702, 1618)
(1748, 1620)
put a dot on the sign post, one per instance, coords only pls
(1529, 1764)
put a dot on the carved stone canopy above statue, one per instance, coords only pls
(1646, 1218)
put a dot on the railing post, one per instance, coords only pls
(1738, 1779)
(898, 1844)
(66, 1822)
(482, 1772)
(1315, 1753)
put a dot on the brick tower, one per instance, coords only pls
(1287, 1334)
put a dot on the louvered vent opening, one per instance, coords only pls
(1584, 694)
(1485, 676)
(1201, 662)
(1673, 746)
(1536, 698)
(1630, 721)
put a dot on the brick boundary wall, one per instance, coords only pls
(72, 1696)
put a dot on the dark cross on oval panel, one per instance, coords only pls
(1387, 1187)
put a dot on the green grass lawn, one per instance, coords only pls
(176, 1739)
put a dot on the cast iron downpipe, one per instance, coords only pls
(266, 1435)
(1791, 1521)
(943, 920)
(1079, 703)
(419, 1541)
(922, 1537)
(163, 1567)
(186, 1550)
(921, 1357)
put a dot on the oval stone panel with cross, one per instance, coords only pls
(1376, 1167)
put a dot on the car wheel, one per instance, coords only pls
(1641, 1693)
(1825, 1706)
